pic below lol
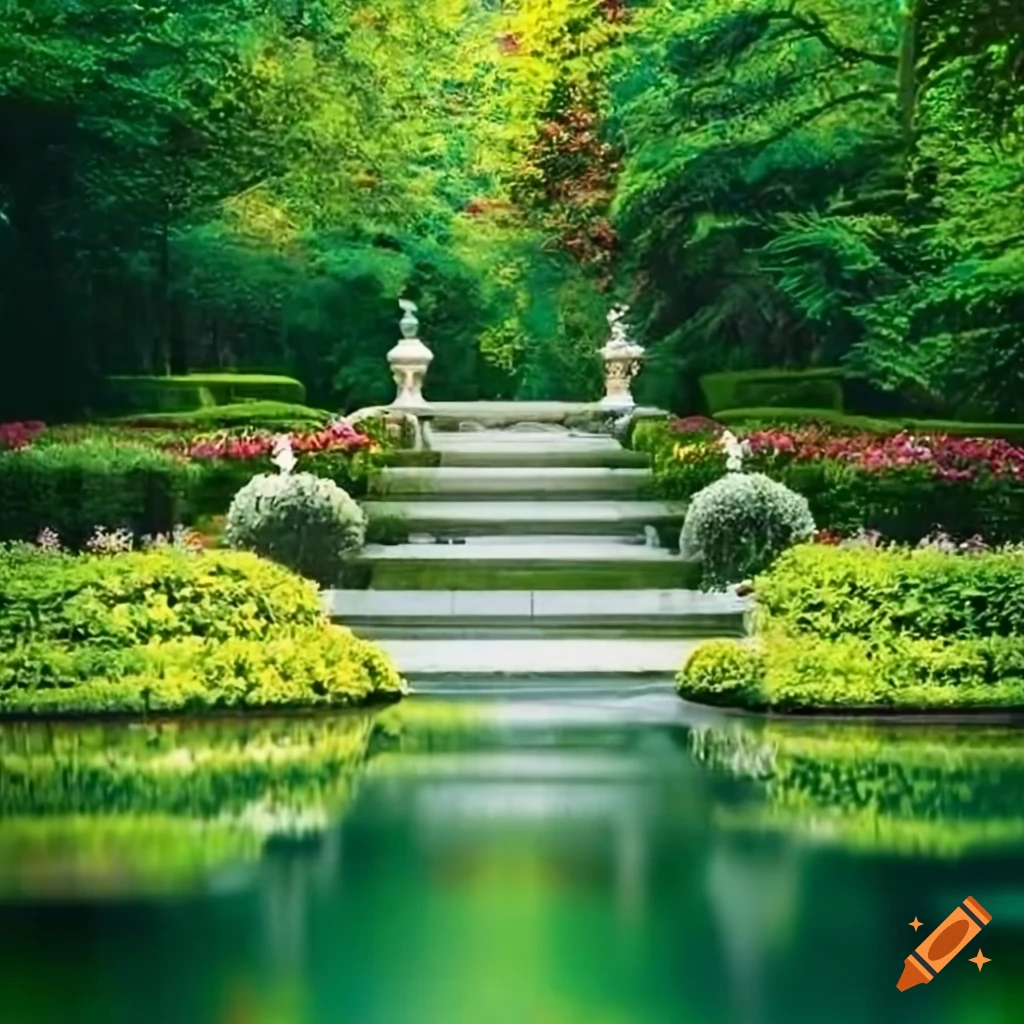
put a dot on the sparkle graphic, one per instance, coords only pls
(915, 924)
(980, 959)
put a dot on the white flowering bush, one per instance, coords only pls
(738, 525)
(305, 522)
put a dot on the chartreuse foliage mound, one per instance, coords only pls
(861, 628)
(156, 808)
(875, 788)
(170, 630)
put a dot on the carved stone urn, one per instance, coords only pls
(622, 362)
(409, 360)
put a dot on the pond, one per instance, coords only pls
(593, 860)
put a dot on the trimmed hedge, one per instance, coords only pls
(801, 389)
(282, 416)
(72, 488)
(753, 417)
(875, 629)
(129, 395)
(168, 630)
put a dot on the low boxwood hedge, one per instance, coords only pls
(282, 416)
(139, 394)
(73, 488)
(803, 389)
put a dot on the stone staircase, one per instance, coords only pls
(529, 558)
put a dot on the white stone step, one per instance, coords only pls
(455, 614)
(480, 482)
(555, 659)
(496, 448)
(476, 518)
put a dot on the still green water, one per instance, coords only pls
(588, 860)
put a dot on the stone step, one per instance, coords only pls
(511, 449)
(482, 518)
(517, 483)
(539, 614)
(556, 660)
(523, 564)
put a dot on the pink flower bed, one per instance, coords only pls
(19, 435)
(939, 455)
(338, 437)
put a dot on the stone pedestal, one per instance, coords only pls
(622, 362)
(409, 361)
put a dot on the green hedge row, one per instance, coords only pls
(168, 630)
(74, 487)
(802, 389)
(861, 628)
(129, 395)
(258, 414)
(782, 416)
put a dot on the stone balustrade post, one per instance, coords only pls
(409, 361)
(622, 362)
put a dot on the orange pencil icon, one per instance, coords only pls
(943, 944)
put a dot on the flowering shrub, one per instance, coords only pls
(303, 521)
(340, 436)
(739, 524)
(902, 486)
(109, 542)
(19, 435)
(939, 456)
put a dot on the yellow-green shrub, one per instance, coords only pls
(173, 631)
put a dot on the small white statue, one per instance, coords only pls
(283, 457)
(734, 452)
(616, 321)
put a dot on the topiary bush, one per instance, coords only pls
(739, 524)
(722, 672)
(170, 630)
(305, 522)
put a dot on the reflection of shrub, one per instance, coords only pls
(939, 791)
(302, 521)
(169, 630)
(741, 523)
(721, 672)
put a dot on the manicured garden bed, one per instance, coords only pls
(861, 628)
(904, 485)
(169, 630)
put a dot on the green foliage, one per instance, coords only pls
(740, 524)
(305, 522)
(808, 182)
(891, 628)
(73, 488)
(955, 428)
(721, 672)
(145, 394)
(282, 416)
(172, 631)
(803, 389)
(835, 592)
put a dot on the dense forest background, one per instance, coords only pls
(252, 184)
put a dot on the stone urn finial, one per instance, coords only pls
(622, 361)
(283, 456)
(409, 360)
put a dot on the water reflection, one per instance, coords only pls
(938, 791)
(504, 862)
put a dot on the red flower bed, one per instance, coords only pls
(939, 455)
(19, 435)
